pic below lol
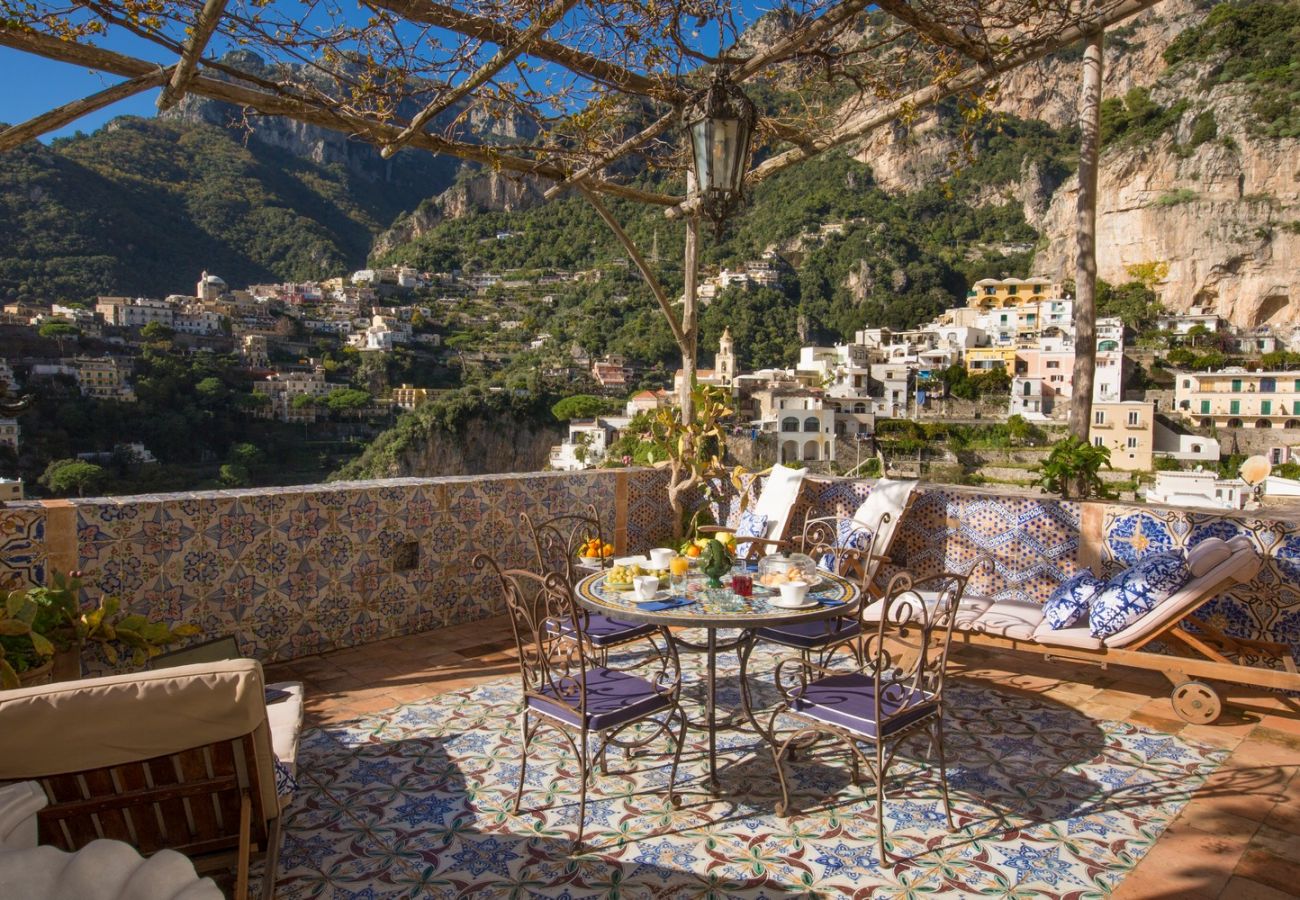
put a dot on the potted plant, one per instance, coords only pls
(58, 627)
(26, 656)
(1071, 470)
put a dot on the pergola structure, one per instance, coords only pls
(603, 81)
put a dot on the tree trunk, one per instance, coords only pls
(1085, 280)
(690, 351)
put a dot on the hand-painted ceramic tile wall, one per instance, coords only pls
(23, 555)
(1266, 608)
(299, 570)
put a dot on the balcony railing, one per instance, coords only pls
(299, 570)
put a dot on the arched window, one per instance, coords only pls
(860, 407)
(810, 450)
(1206, 423)
(1234, 423)
(1292, 423)
(790, 451)
(811, 424)
(1027, 387)
(1196, 448)
(789, 423)
(1263, 423)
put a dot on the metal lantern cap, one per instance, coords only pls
(720, 121)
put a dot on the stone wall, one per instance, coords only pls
(300, 570)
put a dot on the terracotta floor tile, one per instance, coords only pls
(1190, 862)
(1282, 723)
(1127, 699)
(1217, 821)
(1160, 722)
(1269, 869)
(1226, 799)
(1279, 842)
(1239, 888)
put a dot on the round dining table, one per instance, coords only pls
(833, 597)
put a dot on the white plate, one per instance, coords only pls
(807, 604)
(821, 582)
(642, 561)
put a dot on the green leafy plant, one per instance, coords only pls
(1070, 470)
(51, 618)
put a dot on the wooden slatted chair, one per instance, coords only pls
(178, 759)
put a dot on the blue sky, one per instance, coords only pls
(33, 85)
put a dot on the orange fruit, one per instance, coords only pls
(693, 551)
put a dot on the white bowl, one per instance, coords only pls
(793, 593)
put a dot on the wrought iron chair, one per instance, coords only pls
(895, 694)
(852, 547)
(566, 688)
(555, 545)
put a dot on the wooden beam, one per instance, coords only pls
(665, 305)
(204, 26)
(70, 112)
(302, 109)
(508, 52)
(865, 122)
(492, 31)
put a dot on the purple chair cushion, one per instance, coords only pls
(613, 699)
(849, 701)
(810, 635)
(603, 631)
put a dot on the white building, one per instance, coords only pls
(1027, 398)
(9, 433)
(1199, 488)
(125, 312)
(1108, 380)
(284, 387)
(588, 443)
(11, 489)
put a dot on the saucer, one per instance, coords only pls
(809, 603)
(661, 594)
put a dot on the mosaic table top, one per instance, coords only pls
(835, 596)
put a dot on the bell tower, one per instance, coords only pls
(725, 364)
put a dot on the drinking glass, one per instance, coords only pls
(678, 568)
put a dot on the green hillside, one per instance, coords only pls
(142, 206)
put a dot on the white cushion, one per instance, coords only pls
(780, 491)
(1017, 619)
(285, 720)
(1206, 555)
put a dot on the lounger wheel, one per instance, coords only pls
(1196, 702)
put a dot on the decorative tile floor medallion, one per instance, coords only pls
(415, 802)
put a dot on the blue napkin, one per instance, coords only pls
(658, 605)
(825, 601)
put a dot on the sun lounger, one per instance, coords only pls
(1193, 654)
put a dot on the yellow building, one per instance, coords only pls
(994, 293)
(986, 359)
(407, 397)
(1235, 398)
(1128, 429)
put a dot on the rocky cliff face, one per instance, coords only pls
(906, 157)
(483, 446)
(488, 191)
(413, 168)
(1222, 216)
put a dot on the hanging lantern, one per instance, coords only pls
(720, 122)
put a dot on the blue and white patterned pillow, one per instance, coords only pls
(849, 535)
(1136, 591)
(1068, 605)
(752, 524)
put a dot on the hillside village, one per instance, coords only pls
(1007, 355)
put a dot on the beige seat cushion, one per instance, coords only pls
(1016, 619)
(1079, 637)
(967, 610)
(120, 719)
(285, 718)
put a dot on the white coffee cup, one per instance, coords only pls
(793, 593)
(645, 586)
(660, 557)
